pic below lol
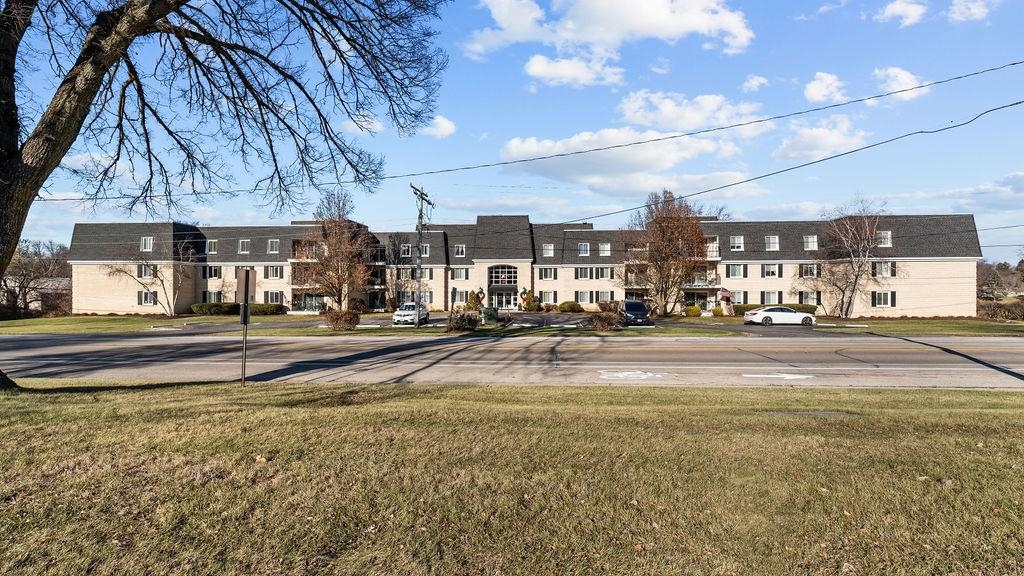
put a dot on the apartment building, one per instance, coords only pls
(922, 266)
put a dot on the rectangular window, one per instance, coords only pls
(406, 296)
(771, 297)
(273, 297)
(146, 298)
(146, 244)
(583, 248)
(426, 297)
(406, 251)
(770, 271)
(735, 271)
(883, 299)
(461, 296)
(273, 246)
(405, 273)
(243, 246)
(809, 298)
(211, 246)
(883, 269)
(213, 297)
(584, 273)
(808, 270)
(811, 242)
(739, 297)
(604, 249)
(145, 271)
(712, 248)
(736, 243)
(883, 238)
(424, 250)
(548, 250)
(547, 297)
(547, 274)
(583, 296)
(460, 250)
(605, 296)
(460, 273)
(273, 273)
(603, 273)
(771, 243)
(211, 272)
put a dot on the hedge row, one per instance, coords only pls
(234, 309)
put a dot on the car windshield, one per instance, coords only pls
(634, 307)
(407, 307)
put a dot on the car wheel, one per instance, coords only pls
(807, 321)
(766, 321)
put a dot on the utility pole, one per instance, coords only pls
(421, 200)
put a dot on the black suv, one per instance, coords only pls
(634, 313)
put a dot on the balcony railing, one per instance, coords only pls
(713, 252)
(704, 281)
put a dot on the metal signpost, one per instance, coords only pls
(245, 291)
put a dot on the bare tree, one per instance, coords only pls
(160, 97)
(339, 268)
(162, 278)
(848, 250)
(665, 247)
(33, 264)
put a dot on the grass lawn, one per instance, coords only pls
(933, 327)
(495, 331)
(117, 324)
(289, 479)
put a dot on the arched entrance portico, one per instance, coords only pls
(502, 286)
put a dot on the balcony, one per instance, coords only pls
(713, 253)
(704, 281)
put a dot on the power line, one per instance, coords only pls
(603, 148)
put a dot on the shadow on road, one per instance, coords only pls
(976, 360)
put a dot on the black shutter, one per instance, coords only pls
(555, 296)
(727, 269)
(138, 271)
(744, 270)
(611, 275)
(139, 294)
(874, 270)
(762, 296)
(204, 272)
(266, 272)
(576, 271)
(892, 269)
(780, 270)
(154, 297)
(817, 271)
(266, 296)
(592, 298)
(817, 297)
(892, 298)
(611, 295)
(762, 272)
(800, 297)
(874, 299)
(778, 296)
(556, 274)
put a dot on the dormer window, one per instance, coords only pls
(146, 244)
(211, 246)
(811, 242)
(406, 250)
(883, 238)
(736, 243)
(460, 250)
(771, 243)
(583, 249)
(548, 250)
(243, 246)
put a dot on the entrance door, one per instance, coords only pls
(503, 300)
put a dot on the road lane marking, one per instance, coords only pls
(630, 375)
(778, 375)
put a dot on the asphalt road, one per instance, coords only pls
(851, 361)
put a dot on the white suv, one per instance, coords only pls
(406, 314)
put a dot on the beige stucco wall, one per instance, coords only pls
(923, 288)
(566, 284)
(95, 291)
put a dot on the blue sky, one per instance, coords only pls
(533, 78)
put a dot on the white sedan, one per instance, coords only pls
(406, 314)
(769, 315)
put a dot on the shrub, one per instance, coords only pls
(472, 301)
(1000, 311)
(717, 311)
(463, 322)
(609, 306)
(550, 307)
(531, 303)
(741, 309)
(806, 308)
(358, 305)
(604, 321)
(570, 306)
(692, 311)
(341, 319)
(217, 309)
(266, 309)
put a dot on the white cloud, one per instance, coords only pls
(909, 12)
(593, 31)
(1003, 195)
(971, 10)
(824, 88)
(440, 128)
(754, 83)
(672, 111)
(825, 8)
(829, 136)
(789, 211)
(895, 78)
(661, 66)
(573, 72)
(540, 207)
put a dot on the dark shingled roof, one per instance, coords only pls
(121, 241)
(503, 238)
